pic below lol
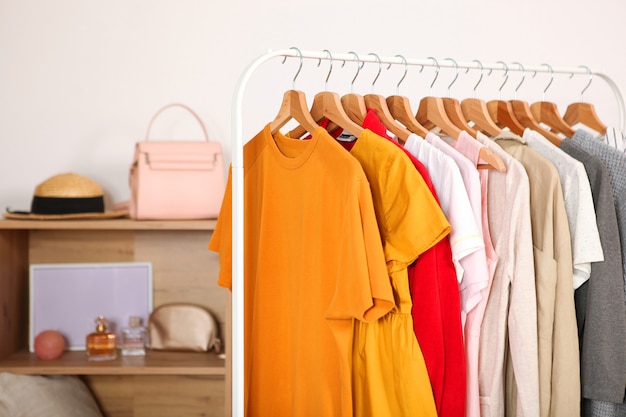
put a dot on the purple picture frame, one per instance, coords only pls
(68, 298)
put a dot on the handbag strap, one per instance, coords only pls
(184, 106)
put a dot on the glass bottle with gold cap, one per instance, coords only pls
(101, 344)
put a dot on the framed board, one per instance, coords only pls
(69, 297)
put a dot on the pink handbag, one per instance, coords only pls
(176, 180)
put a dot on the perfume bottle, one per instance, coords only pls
(133, 338)
(101, 344)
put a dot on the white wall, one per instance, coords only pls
(80, 79)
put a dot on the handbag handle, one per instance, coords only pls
(184, 106)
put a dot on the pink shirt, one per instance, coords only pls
(509, 327)
(477, 182)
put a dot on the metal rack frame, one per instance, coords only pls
(237, 142)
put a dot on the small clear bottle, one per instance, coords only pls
(101, 344)
(133, 340)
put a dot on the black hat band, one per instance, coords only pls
(67, 205)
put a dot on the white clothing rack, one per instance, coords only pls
(238, 174)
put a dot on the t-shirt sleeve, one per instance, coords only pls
(413, 214)
(221, 240)
(363, 288)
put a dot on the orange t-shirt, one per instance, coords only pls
(313, 263)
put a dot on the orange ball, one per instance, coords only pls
(49, 345)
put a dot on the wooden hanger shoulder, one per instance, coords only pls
(522, 112)
(379, 105)
(400, 109)
(547, 113)
(475, 111)
(293, 106)
(431, 112)
(502, 114)
(584, 113)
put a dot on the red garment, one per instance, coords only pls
(324, 123)
(372, 122)
(436, 309)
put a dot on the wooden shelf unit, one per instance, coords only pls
(184, 270)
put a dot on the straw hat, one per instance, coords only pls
(66, 196)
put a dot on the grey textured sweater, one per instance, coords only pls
(600, 303)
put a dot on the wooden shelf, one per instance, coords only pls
(154, 363)
(184, 270)
(109, 224)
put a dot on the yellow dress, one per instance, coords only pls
(390, 378)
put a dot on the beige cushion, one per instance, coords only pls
(45, 396)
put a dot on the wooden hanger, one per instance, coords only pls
(354, 104)
(400, 108)
(328, 105)
(475, 111)
(294, 106)
(492, 160)
(501, 111)
(525, 116)
(432, 113)
(452, 106)
(584, 113)
(548, 113)
(379, 105)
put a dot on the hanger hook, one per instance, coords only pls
(482, 69)
(359, 65)
(551, 79)
(438, 67)
(299, 68)
(406, 69)
(589, 83)
(380, 68)
(330, 68)
(456, 66)
(293, 83)
(506, 78)
(521, 67)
